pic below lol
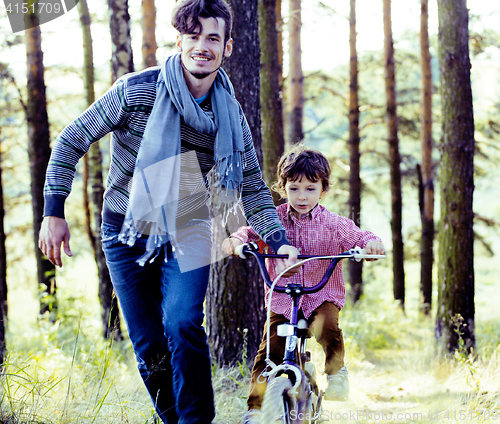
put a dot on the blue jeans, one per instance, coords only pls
(163, 309)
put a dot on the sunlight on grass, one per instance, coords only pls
(64, 372)
(47, 376)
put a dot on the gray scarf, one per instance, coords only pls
(154, 196)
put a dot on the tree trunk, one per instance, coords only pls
(394, 159)
(122, 61)
(279, 30)
(39, 153)
(235, 309)
(427, 172)
(273, 137)
(148, 24)
(3, 274)
(88, 88)
(355, 268)
(2, 339)
(109, 305)
(455, 316)
(235, 297)
(243, 66)
(296, 79)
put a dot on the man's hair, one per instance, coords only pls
(186, 13)
(301, 162)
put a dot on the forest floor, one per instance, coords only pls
(66, 373)
(410, 385)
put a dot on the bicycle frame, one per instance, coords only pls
(295, 291)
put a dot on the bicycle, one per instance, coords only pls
(292, 395)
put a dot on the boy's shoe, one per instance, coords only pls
(251, 417)
(338, 386)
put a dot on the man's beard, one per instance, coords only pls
(199, 75)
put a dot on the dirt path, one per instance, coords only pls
(404, 394)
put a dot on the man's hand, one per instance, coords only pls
(54, 232)
(374, 248)
(282, 264)
(229, 244)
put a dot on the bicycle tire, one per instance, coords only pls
(312, 398)
(310, 371)
(277, 403)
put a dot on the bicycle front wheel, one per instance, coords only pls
(277, 404)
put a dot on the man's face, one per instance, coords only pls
(202, 52)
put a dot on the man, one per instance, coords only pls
(173, 128)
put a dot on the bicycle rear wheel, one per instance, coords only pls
(277, 404)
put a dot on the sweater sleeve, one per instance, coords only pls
(257, 201)
(102, 117)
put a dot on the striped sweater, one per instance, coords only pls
(124, 110)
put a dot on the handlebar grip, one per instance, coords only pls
(242, 248)
(238, 251)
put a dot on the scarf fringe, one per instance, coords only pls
(156, 239)
(229, 189)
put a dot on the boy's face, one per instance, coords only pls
(202, 51)
(303, 195)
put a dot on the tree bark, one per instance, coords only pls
(427, 172)
(273, 136)
(355, 268)
(2, 339)
(235, 298)
(394, 159)
(109, 305)
(148, 24)
(295, 76)
(456, 310)
(122, 60)
(3, 273)
(88, 88)
(39, 154)
(279, 30)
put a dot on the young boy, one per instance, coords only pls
(303, 178)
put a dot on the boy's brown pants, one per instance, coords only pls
(323, 324)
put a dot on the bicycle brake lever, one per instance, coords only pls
(357, 253)
(360, 254)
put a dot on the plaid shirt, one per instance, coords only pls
(320, 232)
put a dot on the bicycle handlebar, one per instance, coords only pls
(244, 250)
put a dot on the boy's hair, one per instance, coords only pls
(186, 13)
(301, 162)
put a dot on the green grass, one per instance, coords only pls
(64, 372)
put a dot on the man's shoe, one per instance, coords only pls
(251, 417)
(338, 386)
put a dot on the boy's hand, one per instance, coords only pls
(282, 264)
(374, 248)
(229, 244)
